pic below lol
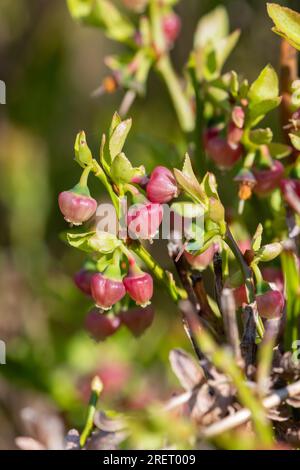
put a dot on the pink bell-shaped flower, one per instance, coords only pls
(162, 186)
(100, 326)
(139, 285)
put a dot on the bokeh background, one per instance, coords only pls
(50, 66)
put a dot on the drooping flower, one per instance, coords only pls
(138, 319)
(107, 289)
(139, 285)
(201, 262)
(77, 205)
(144, 220)
(224, 154)
(100, 326)
(82, 280)
(162, 186)
(268, 179)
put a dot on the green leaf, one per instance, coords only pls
(234, 84)
(261, 136)
(104, 242)
(83, 155)
(268, 252)
(118, 137)
(212, 27)
(225, 47)
(279, 150)
(188, 181)
(187, 209)
(103, 14)
(258, 111)
(265, 87)
(210, 186)
(116, 120)
(80, 240)
(122, 170)
(257, 238)
(287, 23)
(295, 139)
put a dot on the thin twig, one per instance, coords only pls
(248, 346)
(206, 312)
(218, 270)
(242, 416)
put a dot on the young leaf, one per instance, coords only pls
(257, 111)
(287, 23)
(295, 139)
(265, 87)
(80, 240)
(104, 242)
(122, 171)
(257, 238)
(225, 47)
(188, 181)
(103, 14)
(83, 155)
(116, 120)
(212, 27)
(118, 138)
(279, 150)
(261, 136)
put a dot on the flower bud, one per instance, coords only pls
(144, 220)
(106, 291)
(269, 252)
(291, 192)
(216, 211)
(234, 134)
(171, 27)
(101, 326)
(270, 304)
(269, 179)
(76, 205)
(201, 262)
(162, 186)
(138, 320)
(82, 280)
(238, 117)
(139, 285)
(220, 151)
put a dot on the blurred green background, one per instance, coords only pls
(50, 66)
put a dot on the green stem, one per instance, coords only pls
(161, 274)
(180, 101)
(100, 174)
(84, 176)
(96, 387)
